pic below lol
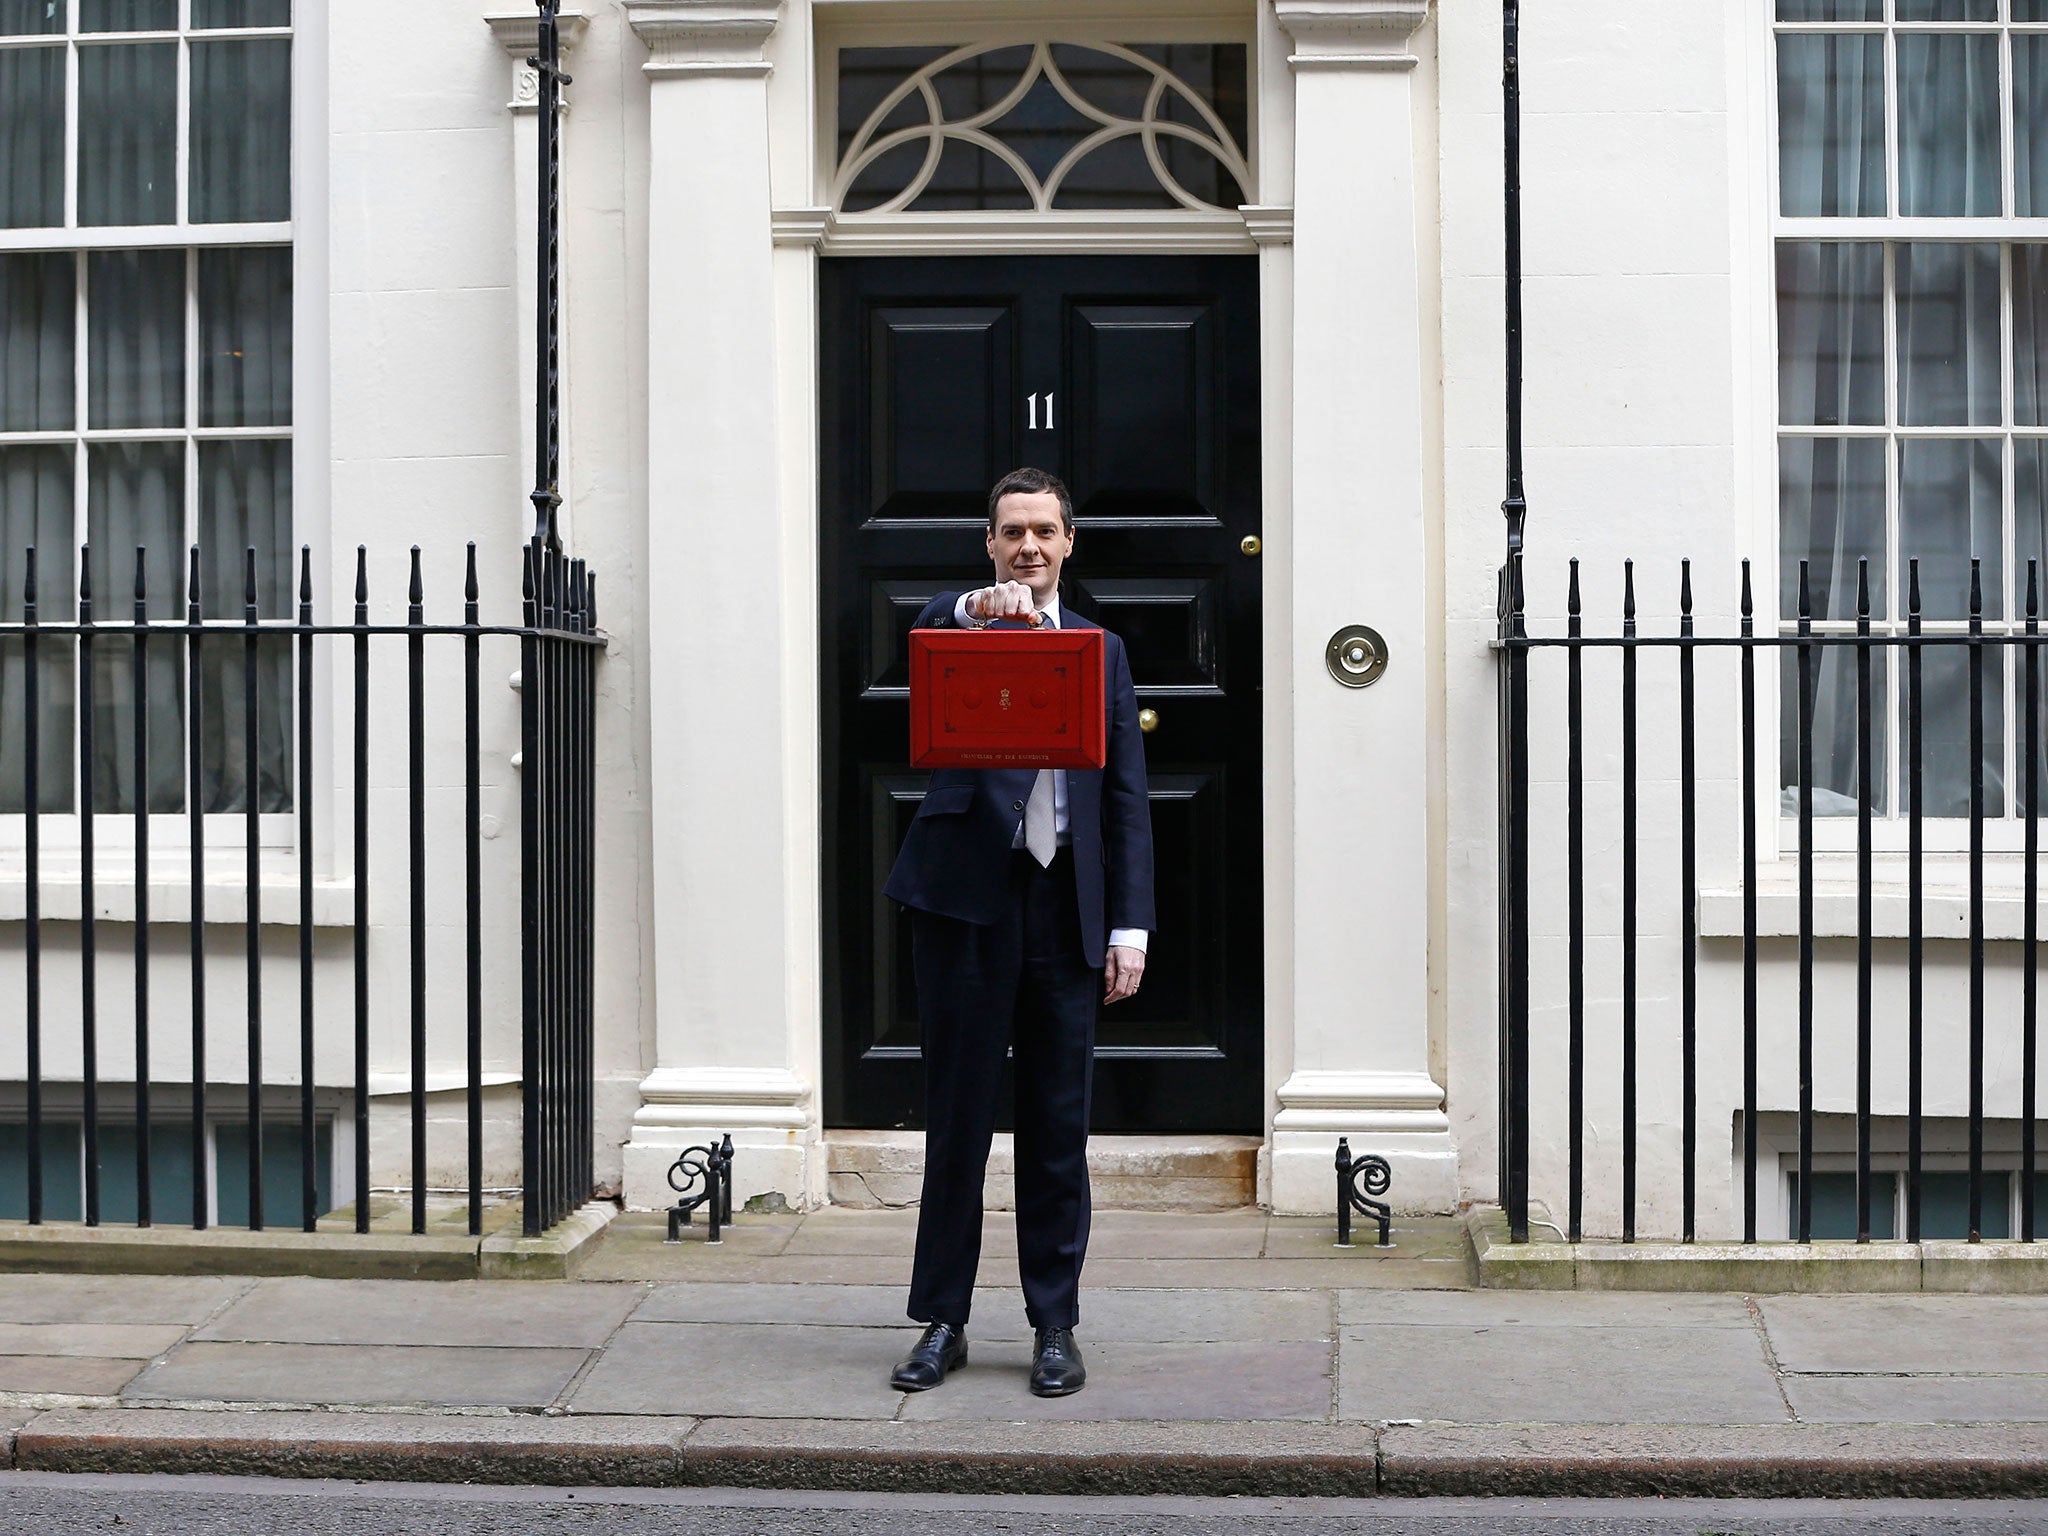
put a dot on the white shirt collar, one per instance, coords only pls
(1051, 610)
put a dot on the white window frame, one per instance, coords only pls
(1835, 834)
(169, 831)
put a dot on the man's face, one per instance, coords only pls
(1028, 542)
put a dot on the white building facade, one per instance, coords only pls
(1234, 269)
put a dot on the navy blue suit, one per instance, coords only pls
(1008, 958)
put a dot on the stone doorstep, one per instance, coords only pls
(1983, 1269)
(1274, 1460)
(884, 1169)
(72, 1248)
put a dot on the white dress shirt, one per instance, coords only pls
(1122, 938)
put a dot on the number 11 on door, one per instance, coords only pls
(1031, 415)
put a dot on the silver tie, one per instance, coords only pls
(1041, 832)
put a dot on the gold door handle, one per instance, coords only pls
(1148, 720)
(1249, 544)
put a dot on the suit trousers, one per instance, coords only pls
(1019, 986)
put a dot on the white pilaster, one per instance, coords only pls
(1359, 1062)
(728, 1052)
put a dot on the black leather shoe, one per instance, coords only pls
(1056, 1367)
(943, 1348)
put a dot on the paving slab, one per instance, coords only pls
(1231, 1382)
(745, 1369)
(825, 1306)
(1907, 1334)
(1316, 1237)
(114, 1298)
(1919, 1399)
(1045, 1457)
(1556, 1309)
(1267, 1274)
(377, 1375)
(1780, 1461)
(113, 1341)
(526, 1314)
(636, 1246)
(522, 1448)
(1539, 1374)
(66, 1375)
(1176, 1235)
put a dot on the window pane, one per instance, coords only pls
(28, 17)
(241, 131)
(1830, 513)
(1951, 502)
(970, 177)
(283, 1193)
(1836, 1216)
(241, 13)
(1945, 730)
(35, 509)
(32, 137)
(170, 1172)
(127, 133)
(127, 15)
(1835, 703)
(245, 492)
(135, 495)
(63, 1173)
(2030, 10)
(1831, 124)
(1948, 10)
(135, 339)
(2030, 113)
(1948, 123)
(1948, 335)
(38, 326)
(245, 337)
(1945, 1204)
(1831, 334)
(2030, 335)
(866, 75)
(1831, 10)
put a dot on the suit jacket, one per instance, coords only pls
(954, 861)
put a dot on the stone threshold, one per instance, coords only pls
(1844, 1268)
(1267, 1459)
(882, 1170)
(68, 1247)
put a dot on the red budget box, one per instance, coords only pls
(1007, 698)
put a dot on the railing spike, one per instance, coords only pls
(141, 582)
(415, 592)
(1805, 592)
(28, 583)
(1685, 588)
(306, 583)
(85, 583)
(192, 608)
(1748, 605)
(1862, 587)
(1976, 587)
(2033, 591)
(469, 575)
(1628, 591)
(249, 583)
(1913, 587)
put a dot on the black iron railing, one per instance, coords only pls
(2012, 650)
(557, 645)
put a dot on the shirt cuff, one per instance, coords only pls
(1127, 938)
(962, 619)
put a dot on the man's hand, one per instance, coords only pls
(1005, 600)
(1121, 972)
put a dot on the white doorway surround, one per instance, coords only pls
(735, 222)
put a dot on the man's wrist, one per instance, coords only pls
(1128, 938)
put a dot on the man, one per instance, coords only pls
(1031, 902)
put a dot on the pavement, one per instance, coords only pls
(1228, 1353)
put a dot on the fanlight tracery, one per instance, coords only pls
(1042, 127)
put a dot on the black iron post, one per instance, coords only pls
(547, 288)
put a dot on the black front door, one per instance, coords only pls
(1136, 381)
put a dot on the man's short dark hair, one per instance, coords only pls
(1031, 482)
